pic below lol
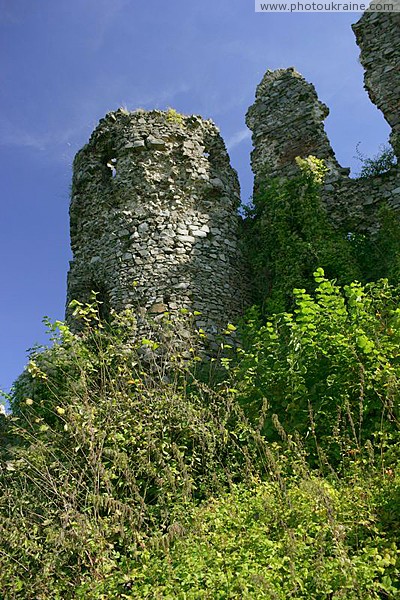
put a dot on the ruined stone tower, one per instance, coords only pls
(154, 218)
(378, 36)
(287, 121)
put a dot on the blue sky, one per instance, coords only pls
(65, 63)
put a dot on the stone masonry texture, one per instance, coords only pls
(286, 120)
(154, 220)
(378, 36)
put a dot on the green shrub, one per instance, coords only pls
(378, 254)
(329, 371)
(297, 536)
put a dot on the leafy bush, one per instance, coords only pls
(329, 371)
(378, 254)
(293, 536)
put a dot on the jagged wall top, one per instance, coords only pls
(287, 121)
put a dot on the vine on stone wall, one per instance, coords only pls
(294, 237)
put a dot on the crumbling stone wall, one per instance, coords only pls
(378, 36)
(154, 222)
(287, 121)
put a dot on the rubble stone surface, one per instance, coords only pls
(154, 219)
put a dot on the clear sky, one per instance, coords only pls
(65, 63)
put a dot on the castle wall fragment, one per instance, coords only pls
(287, 118)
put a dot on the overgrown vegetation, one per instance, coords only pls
(327, 371)
(294, 237)
(378, 255)
(106, 447)
(293, 536)
(122, 480)
(133, 468)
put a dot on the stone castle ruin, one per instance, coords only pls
(154, 223)
(287, 121)
(154, 209)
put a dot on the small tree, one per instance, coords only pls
(378, 164)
